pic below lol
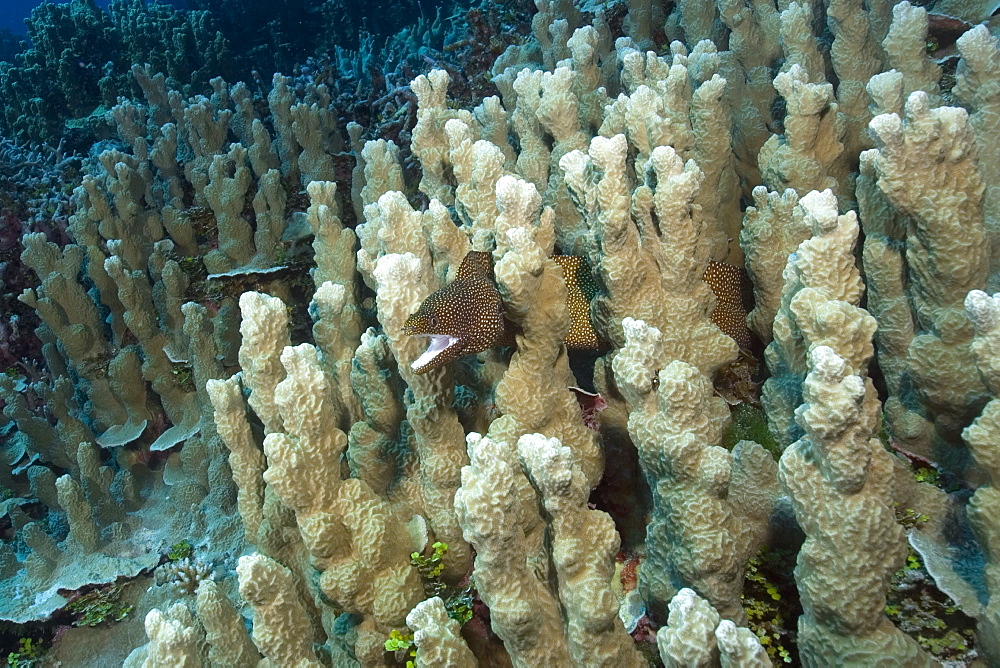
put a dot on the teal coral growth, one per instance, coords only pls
(712, 299)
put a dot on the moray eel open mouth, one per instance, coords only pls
(440, 344)
(462, 318)
(467, 316)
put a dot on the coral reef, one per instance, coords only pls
(226, 434)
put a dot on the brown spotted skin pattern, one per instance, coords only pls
(730, 315)
(580, 291)
(469, 309)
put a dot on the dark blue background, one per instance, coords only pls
(13, 12)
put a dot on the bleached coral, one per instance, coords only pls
(634, 266)
(174, 639)
(437, 636)
(282, 631)
(927, 169)
(578, 622)
(819, 306)
(695, 635)
(523, 611)
(839, 479)
(710, 506)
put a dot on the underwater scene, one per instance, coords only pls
(535, 333)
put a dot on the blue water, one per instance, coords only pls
(13, 12)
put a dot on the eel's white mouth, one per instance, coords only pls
(438, 344)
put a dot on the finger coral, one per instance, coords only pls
(572, 207)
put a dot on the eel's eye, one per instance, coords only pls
(433, 321)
